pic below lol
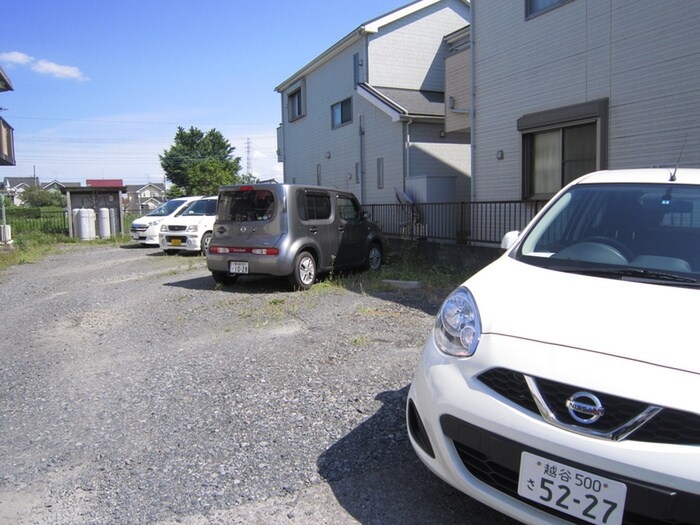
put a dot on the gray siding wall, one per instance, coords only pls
(410, 53)
(644, 57)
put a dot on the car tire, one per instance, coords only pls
(206, 240)
(224, 277)
(304, 271)
(374, 257)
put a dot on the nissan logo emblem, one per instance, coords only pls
(585, 407)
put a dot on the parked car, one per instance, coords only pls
(191, 230)
(561, 382)
(290, 230)
(145, 229)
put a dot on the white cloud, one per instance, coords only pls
(43, 67)
(15, 57)
(57, 70)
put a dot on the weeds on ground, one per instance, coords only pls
(31, 247)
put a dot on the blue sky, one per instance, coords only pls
(101, 85)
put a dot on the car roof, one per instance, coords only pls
(643, 175)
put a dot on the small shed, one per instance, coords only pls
(95, 198)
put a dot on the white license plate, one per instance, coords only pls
(572, 491)
(237, 267)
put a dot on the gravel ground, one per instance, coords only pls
(134, 390)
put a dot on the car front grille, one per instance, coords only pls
(667, 426)
(176, 228)
(495, 461)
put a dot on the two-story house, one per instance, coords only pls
(368, 114)
(13, 187)
(564, 87)
(142, 198)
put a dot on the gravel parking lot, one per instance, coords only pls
(134, 390)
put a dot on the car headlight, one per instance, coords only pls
(163, 228)
(458, 326)
(192, 228)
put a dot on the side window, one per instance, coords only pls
(314, 206)
(348, 209)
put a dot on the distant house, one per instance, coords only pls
(7, 141)
(104, 183)
(369, 114)
(58, 186)
(13, 187)
(142, 198)
(564, 87)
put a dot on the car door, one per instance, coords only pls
(352, 231)
(318, 219)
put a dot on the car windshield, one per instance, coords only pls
(200, 208)
(167, 208)
(628, 231)
(246, 205)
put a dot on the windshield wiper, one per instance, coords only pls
(636, 273)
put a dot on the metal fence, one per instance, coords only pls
(462, 222)
(24, 220)
(477, 222)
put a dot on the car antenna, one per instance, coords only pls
(673, 175)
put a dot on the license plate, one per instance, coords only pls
(176, 242)
(575, 492)
(237, 267)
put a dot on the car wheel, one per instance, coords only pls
(171, 252)
(206, 240)
(224, 277)
(304, 271)
(374, 257)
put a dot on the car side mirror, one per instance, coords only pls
(509, 240)
(364, 216)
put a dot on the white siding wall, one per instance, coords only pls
(309, 140)
(410, 53)
(458, 87)
(643, 56)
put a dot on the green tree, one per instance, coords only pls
(198, 163)
(37, 197)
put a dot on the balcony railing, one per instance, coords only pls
(466, 222)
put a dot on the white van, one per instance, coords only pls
(191, 230)
(145, 229)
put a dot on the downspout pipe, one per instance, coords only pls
(472, 119)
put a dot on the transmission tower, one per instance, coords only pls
(249, 156)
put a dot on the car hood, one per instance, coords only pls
(639, 321)
(193, 219)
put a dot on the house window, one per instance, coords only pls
(318, 174)
(356, 64)
(380, 173)
(537, 7)
(561, 145)
(341, 113)
(296, 101)
(357, 173)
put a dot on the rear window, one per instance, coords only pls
(246, 205)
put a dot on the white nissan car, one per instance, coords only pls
(562, 382)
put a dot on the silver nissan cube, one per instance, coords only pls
(290, 230)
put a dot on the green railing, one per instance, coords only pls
(45, 220)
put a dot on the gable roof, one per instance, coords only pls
(13, 182)
(405, 104)
(369, 27)
(5, 84)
